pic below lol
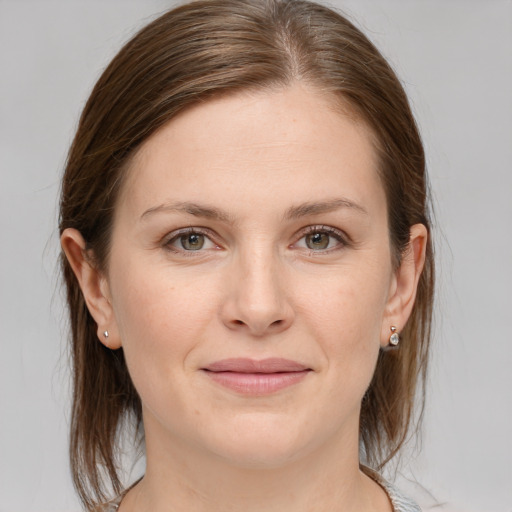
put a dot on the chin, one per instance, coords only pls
(258, 443)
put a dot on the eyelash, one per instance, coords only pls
(342, 239)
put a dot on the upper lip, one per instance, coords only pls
(246, 365)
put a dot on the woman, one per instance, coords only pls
(248, 264)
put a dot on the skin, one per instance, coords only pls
(263, 171)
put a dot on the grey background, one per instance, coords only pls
(454, 57)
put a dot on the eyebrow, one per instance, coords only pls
(294, 212)
(315, 208)
(198, 210)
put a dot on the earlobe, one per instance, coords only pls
(405, 283)
(94, 287)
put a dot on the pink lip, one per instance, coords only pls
(253, 377)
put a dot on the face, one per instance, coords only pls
(250, 276)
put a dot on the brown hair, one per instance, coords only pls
(189, 54)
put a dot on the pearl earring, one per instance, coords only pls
(105, 333)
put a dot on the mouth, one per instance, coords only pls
(256, 377)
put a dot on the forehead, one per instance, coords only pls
(288, 143)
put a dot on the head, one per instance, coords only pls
(205, 60)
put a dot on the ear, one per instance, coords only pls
(94, 286)
(404, 283)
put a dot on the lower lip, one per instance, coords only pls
(257, 383)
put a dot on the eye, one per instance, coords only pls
(318, 241)
(321, 239)
(189, 241)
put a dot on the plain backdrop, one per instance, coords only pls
(455, 59)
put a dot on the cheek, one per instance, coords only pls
(346, 319)
(160, 317)
(349, 302)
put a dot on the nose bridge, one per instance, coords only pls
(259, 285)
(258, 300)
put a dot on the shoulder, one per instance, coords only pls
(400, 502)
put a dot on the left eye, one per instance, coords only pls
(320, 240)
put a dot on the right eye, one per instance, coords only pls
(190, 241)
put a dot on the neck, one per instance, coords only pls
(183, 478)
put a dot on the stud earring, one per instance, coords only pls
(105, 333)
(394, 339)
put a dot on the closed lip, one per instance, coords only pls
(252, 377)
(247, 365)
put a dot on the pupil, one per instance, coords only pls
(192, 242)
(317, 241)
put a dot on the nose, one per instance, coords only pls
(257, 300)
